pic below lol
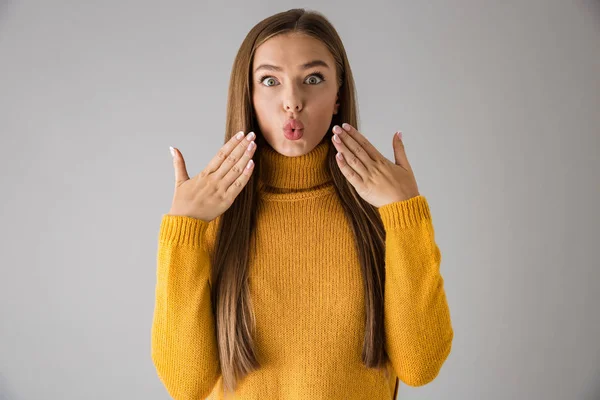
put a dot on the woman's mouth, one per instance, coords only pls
(293, 134)
(293, 129)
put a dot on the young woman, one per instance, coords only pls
(304, 276)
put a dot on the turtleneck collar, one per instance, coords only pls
(281, 173)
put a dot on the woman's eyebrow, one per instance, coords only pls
(314, 63)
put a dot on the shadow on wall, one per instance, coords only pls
(4, 7)
(593, 6)
(5, 392)
(594, 393)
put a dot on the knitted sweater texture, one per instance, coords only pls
(306, 289)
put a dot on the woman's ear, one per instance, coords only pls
(337, 105)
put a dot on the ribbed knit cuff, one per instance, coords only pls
(182, 230)
(405, 213)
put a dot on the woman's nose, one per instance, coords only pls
(289, 106)
(292, 98)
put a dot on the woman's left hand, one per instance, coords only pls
(376, 179)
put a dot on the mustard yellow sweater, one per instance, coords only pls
(307, 294)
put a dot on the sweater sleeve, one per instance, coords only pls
(418, 329)
(184, 345)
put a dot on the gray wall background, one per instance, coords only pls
(500, 106)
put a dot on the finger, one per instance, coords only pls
(400, 152)
(181, 174)
(241, 181)
(349, 172)
(354, 154)
(223, 153)
(231, 178)
(361, 139)
(232, 159)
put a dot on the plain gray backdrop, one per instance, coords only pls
(499, 103)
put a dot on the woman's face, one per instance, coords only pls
(287, 89)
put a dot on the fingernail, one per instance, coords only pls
(399, 134)
(172, 151)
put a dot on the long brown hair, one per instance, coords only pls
(234, 319)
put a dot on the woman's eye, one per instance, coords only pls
(314, 76)
(270, 78)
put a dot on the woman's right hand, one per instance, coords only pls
(211, 192)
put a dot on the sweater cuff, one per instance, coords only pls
(405, 213)
(182, 230)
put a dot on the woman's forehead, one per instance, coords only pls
(291, 52)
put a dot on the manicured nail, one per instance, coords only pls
(399, 134)
(172, 151)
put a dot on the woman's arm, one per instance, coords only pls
(416, 315)
(184, 345)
